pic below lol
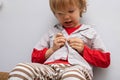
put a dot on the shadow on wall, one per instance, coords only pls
(1, 4)
(99, 72)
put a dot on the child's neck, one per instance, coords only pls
(71, 29)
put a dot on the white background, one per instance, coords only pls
(22, 23)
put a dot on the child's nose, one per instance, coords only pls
(66, 16)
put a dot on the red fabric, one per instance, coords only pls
(70, 30)
(59, 61)
(96, 57)
(38, 56)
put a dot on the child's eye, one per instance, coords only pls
(60, 13)
(71, 11)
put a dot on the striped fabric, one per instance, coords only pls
(35, 71)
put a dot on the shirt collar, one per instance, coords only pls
(82, 28)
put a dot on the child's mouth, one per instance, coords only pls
(68, 22)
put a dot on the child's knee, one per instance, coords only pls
(21, 71)
(72, 75)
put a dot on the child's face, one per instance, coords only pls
(69, 17)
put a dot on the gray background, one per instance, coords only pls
(22, 23)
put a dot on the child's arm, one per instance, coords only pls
(38, 56)
(96, 57)
(38, 53)
(58, 42)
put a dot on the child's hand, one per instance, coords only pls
(59, 41)
(77, 44)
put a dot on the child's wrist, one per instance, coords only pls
(53, 49)
(49, 52)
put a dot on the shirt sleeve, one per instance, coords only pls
(96, 57)
(38, 56)
(96, 54)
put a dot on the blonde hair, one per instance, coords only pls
(58, 5)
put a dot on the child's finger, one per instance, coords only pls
(59, 35)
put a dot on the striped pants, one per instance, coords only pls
(35, 71)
